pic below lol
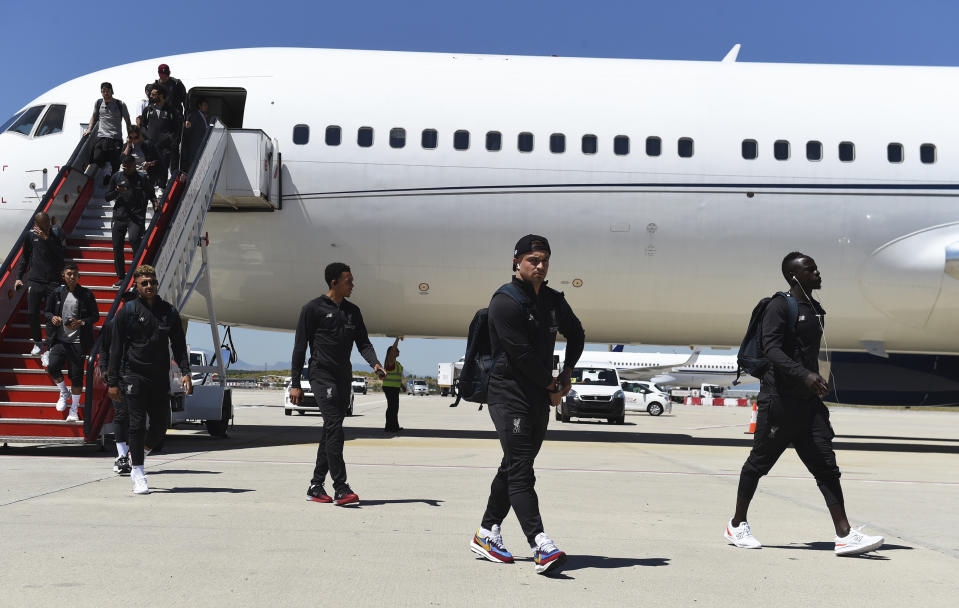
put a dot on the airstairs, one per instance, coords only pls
(235, 169)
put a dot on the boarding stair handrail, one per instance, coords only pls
(64, 200)
(174, 226)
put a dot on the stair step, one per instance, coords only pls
(29, 388)
(34, 427)
(28, 439)
(46, 412)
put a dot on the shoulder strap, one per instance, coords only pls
(99, 103)
(514, 292)
(793, 318)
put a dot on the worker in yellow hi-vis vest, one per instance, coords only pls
(391, 387)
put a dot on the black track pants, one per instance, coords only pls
(332, 398)
(808, 430)
(521, 429)
(153, 400)
(121, 227)
(37, 293)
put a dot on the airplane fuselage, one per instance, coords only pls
(673, 247)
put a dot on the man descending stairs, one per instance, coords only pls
(28, 397)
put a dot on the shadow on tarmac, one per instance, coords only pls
(246, 436)
(193, 490)
(584, 562)
(398, 501)
(827, 546)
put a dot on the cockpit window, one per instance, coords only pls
(10, 121)
(52, 121)
(25, 123)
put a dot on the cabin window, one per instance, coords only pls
(654, 146)
(589, 144)
(364, 137)
(750, 149)
(557, 143)
(927, 153)
(847, 151)
(685, 147)
(461, 140)
(333, 135)
(813, 150)
(25, 121)
(781, 149)
(301, 134)
(52, 120)
(429, 139)
(524, 141)
(894, 153)
(494, 141)
(397, 137)
(621, 145)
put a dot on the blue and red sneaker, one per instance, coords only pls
(546, 556)
(491, 546)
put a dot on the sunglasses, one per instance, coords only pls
(148, 282)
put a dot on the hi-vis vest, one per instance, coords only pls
(394, 379)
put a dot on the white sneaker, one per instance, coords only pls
(856, 542)
(64, 399)
(139, 481)
(36, 349)
(73, 416)
(741, 536)
(45, 359)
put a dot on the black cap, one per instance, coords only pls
(531, 242)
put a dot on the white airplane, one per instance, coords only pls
(667, 369)
(670, 190)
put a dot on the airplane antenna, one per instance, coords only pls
(732, 54)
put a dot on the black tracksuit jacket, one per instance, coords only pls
(86, 308)
(43, 257)
(793, 354)
(142, 339)
(527, 336)
(132, 204)
(330, 331)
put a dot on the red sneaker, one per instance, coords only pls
(316, 493)
(345, 496)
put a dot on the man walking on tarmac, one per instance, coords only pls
(524, 317)
(144, 332)
(331, 325)
(791, 410)
(71, 314)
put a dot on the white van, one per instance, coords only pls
(646, 397)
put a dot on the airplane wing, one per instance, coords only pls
(648, 372)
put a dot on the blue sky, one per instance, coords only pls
(45, 44)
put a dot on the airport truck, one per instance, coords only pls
(446, 375)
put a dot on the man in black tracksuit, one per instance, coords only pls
(162, 123)
(791, 410)
(331, 325)
(144, 331)
(43, 252)
(524, 317)
(131, 190)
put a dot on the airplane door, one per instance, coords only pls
(226, 103)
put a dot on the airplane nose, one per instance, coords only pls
(904, 278)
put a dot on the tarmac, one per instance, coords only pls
(640, 509)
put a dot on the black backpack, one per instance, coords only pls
(480, 358)
(751, 358)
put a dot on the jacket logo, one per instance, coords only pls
(329, 393)
(329, 315)
(516, 425)
(802, 317)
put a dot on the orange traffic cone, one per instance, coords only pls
(752, 419)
